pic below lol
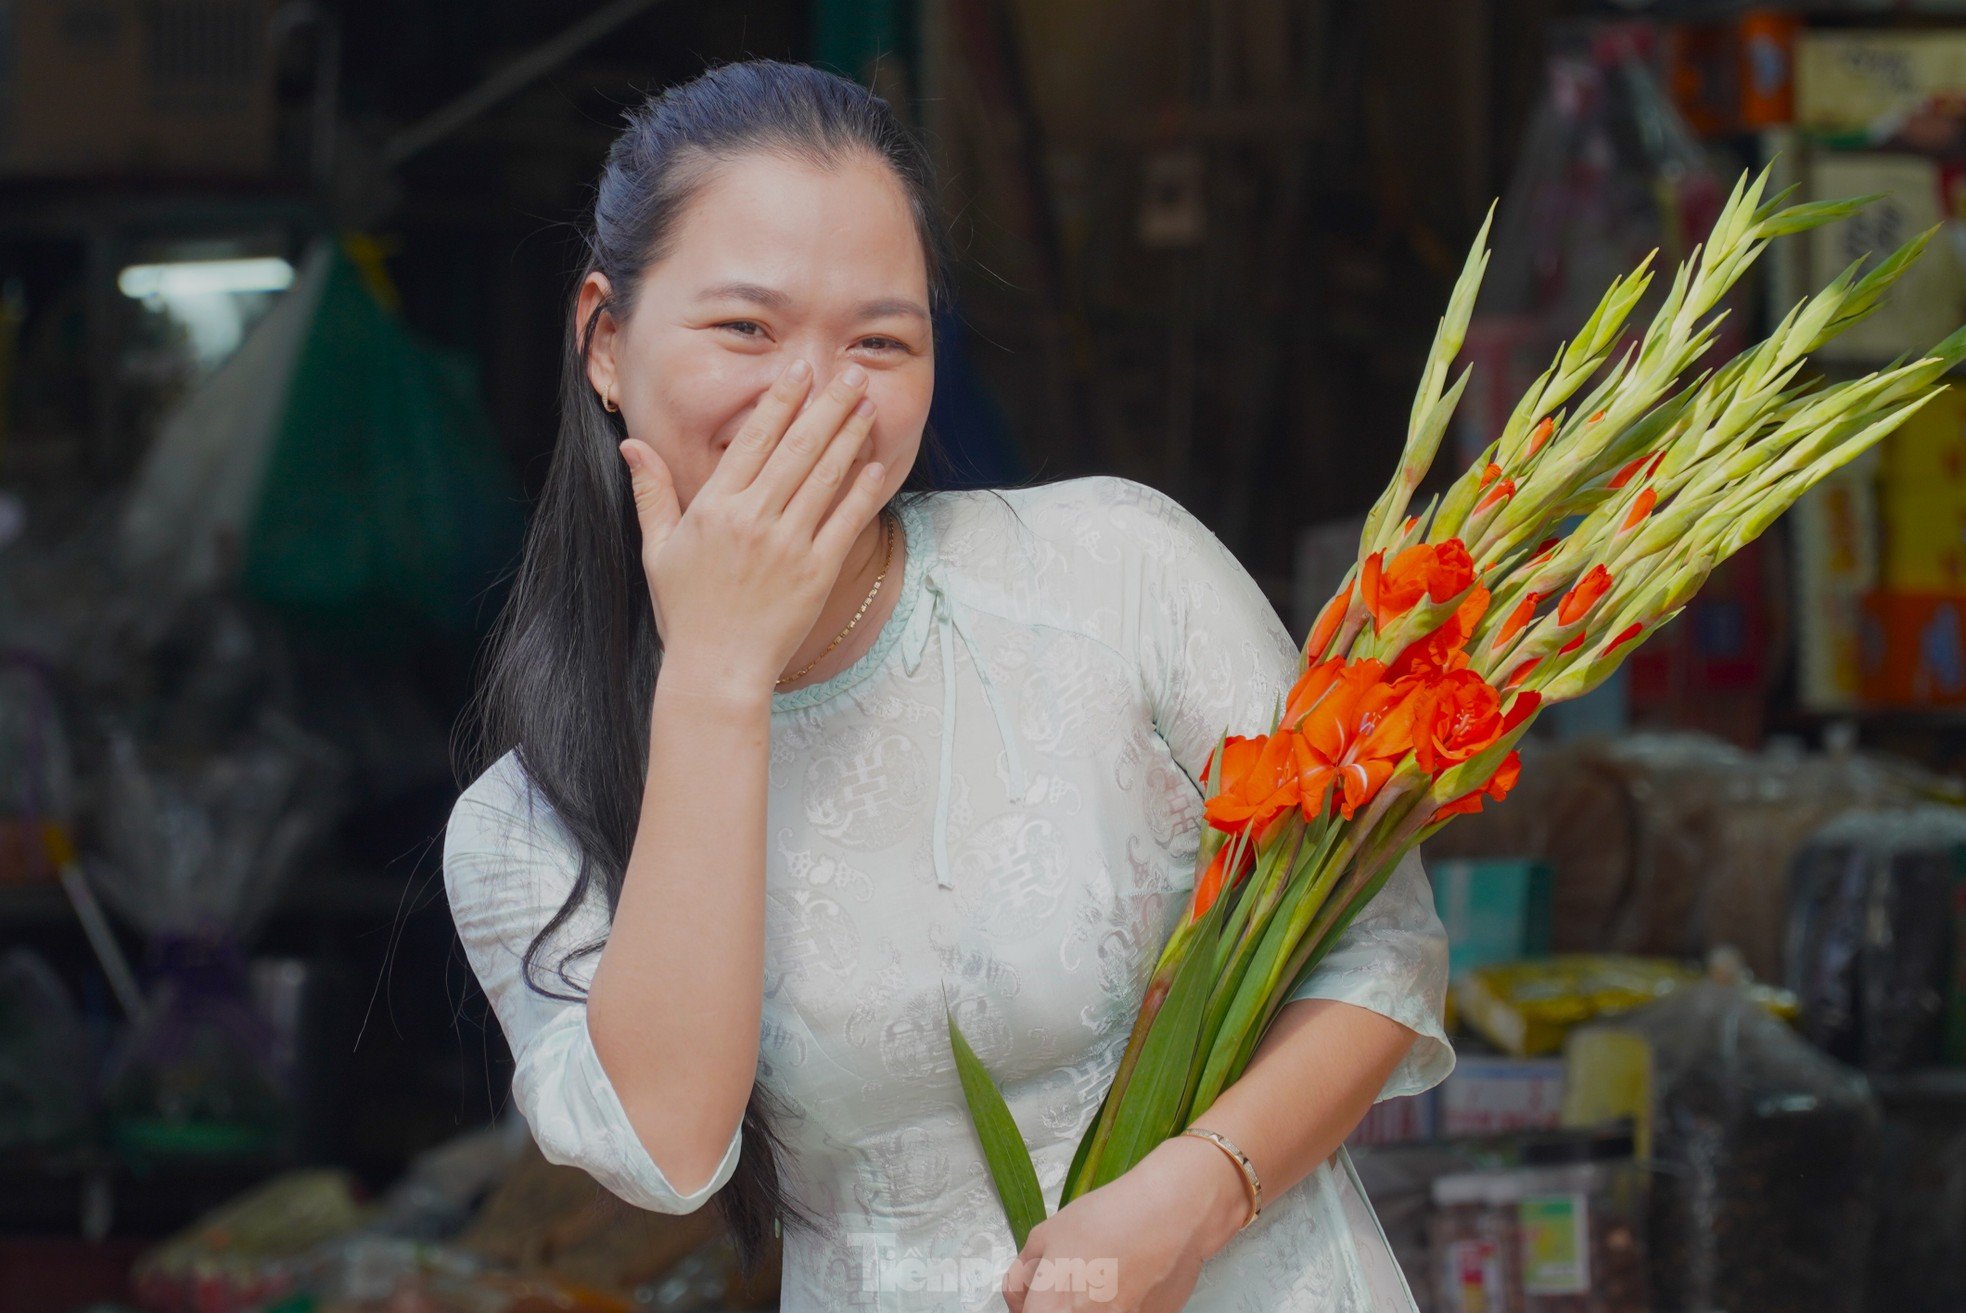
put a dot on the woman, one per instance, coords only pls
(783, 753)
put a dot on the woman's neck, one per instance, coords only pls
(863, 565)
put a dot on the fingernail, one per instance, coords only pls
(798, 370)
(866, 407)
(854, 376)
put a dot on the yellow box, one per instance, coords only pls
(1924, 538)
(1929, 449)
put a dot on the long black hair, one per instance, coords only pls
(573, 658)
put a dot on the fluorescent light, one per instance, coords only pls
(205, 278)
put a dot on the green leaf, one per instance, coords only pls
(1153, 1098)
(1003, 1148)
(1084, 1149)
(1814, 214)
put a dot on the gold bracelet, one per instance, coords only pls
(1243, 1165)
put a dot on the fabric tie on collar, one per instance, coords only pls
(943, 616)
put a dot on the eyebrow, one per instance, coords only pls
(773, 299)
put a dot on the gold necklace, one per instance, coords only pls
(887, 536)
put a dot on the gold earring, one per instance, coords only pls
(607, 403)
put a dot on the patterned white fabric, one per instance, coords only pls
(1009, 829)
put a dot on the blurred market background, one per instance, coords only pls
(281, 285)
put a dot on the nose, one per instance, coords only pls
(822, 378)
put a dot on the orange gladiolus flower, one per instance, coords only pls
(1309, 690)
(1518, 620)
(1541, 434)
(1502, 491)
(1259, 782)
(1544, 548)
(1328, 621)
(1580, 599)
(1521, 672)
(1445, 648)
(1624, 476)
(1217, 878)
(1647, 499)
(1436, 570)
(1498, 786)
(1490, 474)
(1626, 635)
(1460, 716)
(1356, 736)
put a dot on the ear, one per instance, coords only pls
(603, 339)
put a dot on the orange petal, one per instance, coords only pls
(1450, 570)
(1521, 709)
(1647, 499)
(1518, 620)
(1310, 690)
(1499, 784)
(1362, 783)
(1581, 598)
(1328, 621)
(1505, 777)
(1217, 878)
(1625, 475)
(1369, 576)
(1626, 635)
(1502, 491)
(1541, 434)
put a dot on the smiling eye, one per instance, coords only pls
(740, 323)
(892, 345)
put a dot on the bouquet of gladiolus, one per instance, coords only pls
(1586, 525)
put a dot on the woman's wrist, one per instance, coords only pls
(1214, 1184)
(703, 678)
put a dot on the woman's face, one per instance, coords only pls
(774, 261)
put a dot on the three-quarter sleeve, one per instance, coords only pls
(1217, 659)
(1393, 959)
(509, 866)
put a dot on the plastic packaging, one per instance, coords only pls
(1765, 1153)
(1529, 1008)
(209, 797)
(1919, 1258)
(1877, 937)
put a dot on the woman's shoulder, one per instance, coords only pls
(501, 804)
(1088, 518)
(1096, 498)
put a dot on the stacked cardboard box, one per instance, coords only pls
(110, 88)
